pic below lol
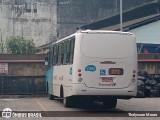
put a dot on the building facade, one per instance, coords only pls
(76, 13)
(148, 33)
(36, 19)
(48, 20)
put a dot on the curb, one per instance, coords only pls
(22, 96)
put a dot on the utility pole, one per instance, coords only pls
(121, 15)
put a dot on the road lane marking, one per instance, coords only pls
(40, 105)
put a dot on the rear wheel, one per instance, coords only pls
(109, 102)
(51, 97)
(68, 101)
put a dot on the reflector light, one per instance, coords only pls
(80, 79)
(79, 74)
(133, 80)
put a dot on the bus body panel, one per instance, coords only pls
(82, 89)
(62, 77)
(100, 78)
(95, 66)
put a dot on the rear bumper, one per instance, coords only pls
(81, 89)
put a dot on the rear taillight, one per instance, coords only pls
(79, 75)
(79, 72)
(134, 71)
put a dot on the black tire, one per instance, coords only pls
(51, 97)
(68, 102)
(109, 102)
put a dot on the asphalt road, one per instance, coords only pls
(95, 111)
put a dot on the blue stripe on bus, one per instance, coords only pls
(49, 78)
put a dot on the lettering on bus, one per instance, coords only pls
(90, 68)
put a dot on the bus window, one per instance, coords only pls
(68, 51)
(59, 54)
(46, 59)
(51, 57)
(62, 52)
(72, 42)
(65, 52)
(53, 54)
(56, 54)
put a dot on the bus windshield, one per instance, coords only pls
(107, 45)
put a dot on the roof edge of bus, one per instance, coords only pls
(94, 31)
(104, 31)
(72, 35)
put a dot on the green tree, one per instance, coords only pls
(20, 45)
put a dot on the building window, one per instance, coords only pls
(28, 7)
(35, 7)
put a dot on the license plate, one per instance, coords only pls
(107, 79)
(115, 71)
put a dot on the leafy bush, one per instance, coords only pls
(20, 45)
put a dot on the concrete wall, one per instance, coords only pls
(26, 74)
(22, 68)
(22, 57)
(36, 19)
(26, 69)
